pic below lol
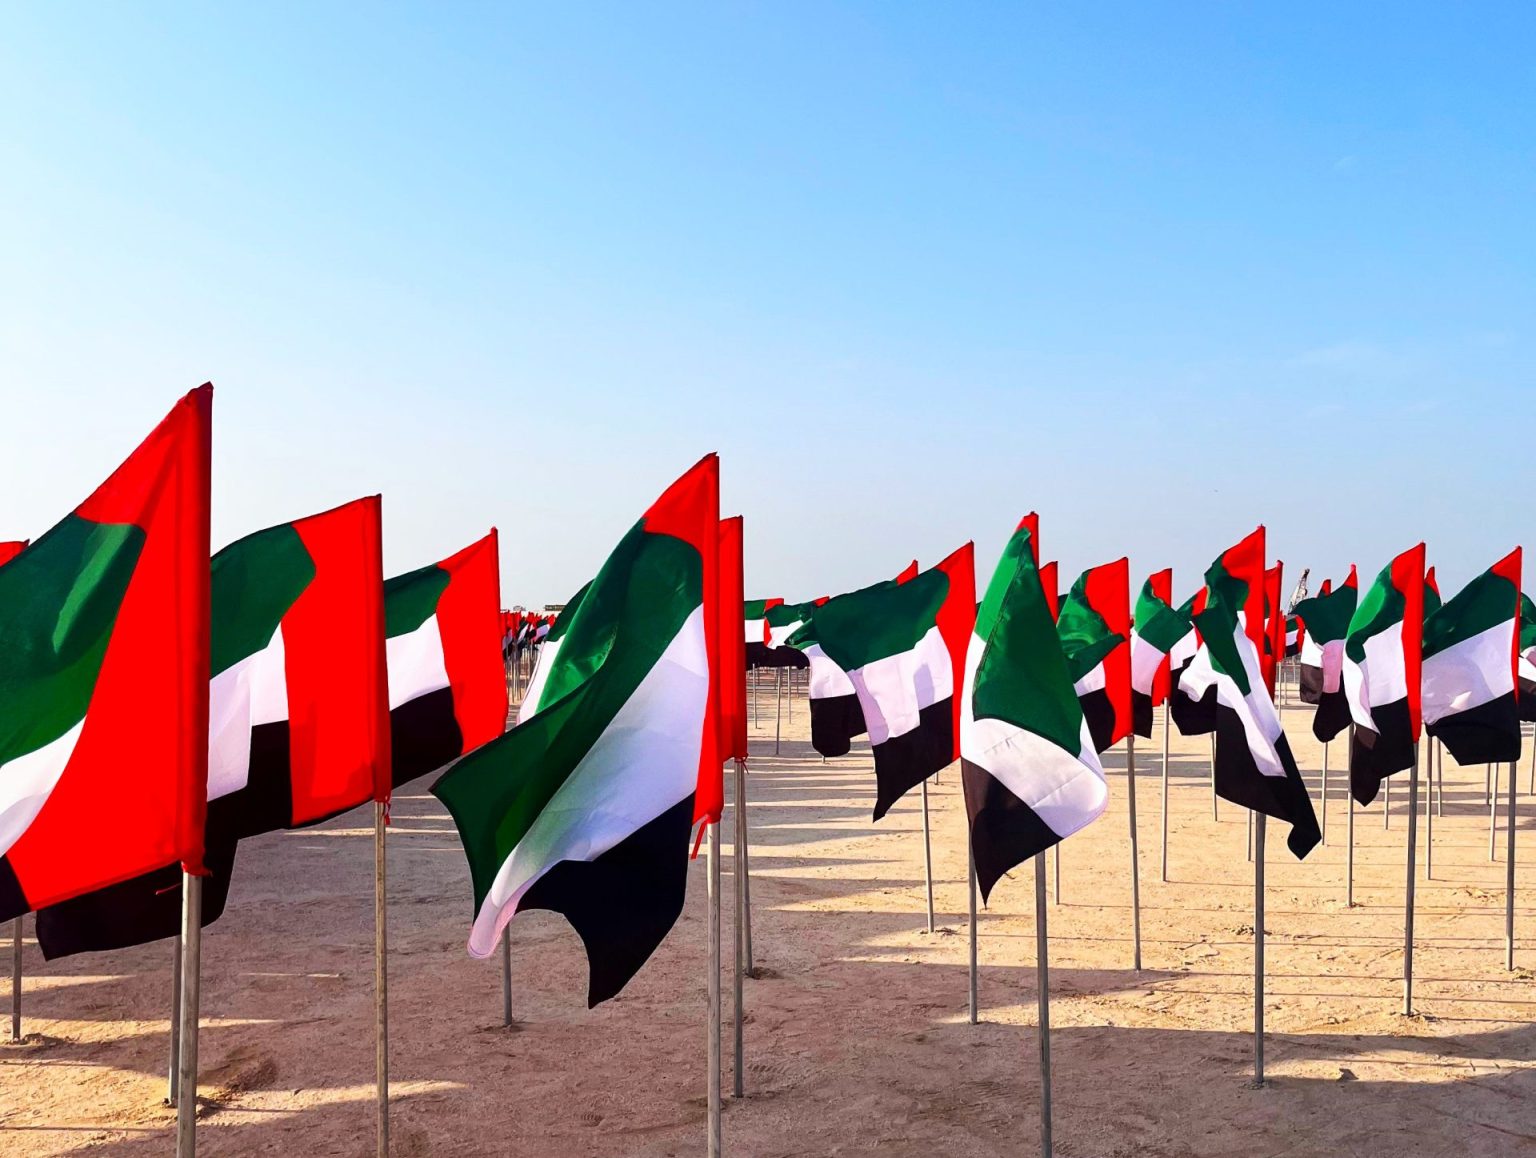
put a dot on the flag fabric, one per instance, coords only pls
(447, 689)
(1254, 764)
(733, 667)
(1028, 765)
(1048, 580)
(1274, 626)
(1194, 714)
(585, 807)
(755, 635)
(1295, 636)
(298, 715)
(901, 646)
(781, 620)
(104, 678)
(1525, 668)
(1325, 624)
(1383, 655)
(9, 551)
(1094, 625)
(534, 698)
(1471, 648)
(1156, 629)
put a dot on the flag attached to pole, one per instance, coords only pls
(1325, 624)
(585, 807)
(733, 664)
(1028, 764)
(1383, 656)
(1156, 629)
(1525, 669)
(104, 678)
(754, 614)
(1095, 629)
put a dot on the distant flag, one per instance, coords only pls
(1383, 656)
(534, 699)
(447, 691)
(1471, 647)
(1094, 625)
(104, 678)
(1274, 625)
(298, 718)
(1526, 667)
(1156, 629)
(902, 647)
(1295, 635)
(1325, 619)
(585, 807)
(1193, 713)
(755, 633)
(1029, 769)
(1254, 764)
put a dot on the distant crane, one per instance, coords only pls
(1301, 590)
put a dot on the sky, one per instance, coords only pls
(1158, 271)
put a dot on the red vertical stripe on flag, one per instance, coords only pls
(1107, 589)
(956, 622)
(1162, 587)
(1409, 578)
(733, 644)
(1270, 659)
(1048, 583)
(471, 647)
(908, 573)
(9, 551)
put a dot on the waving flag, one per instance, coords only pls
(1383, 657)
(585, 807)
(1029, 769)
(755, 634)
(1525, 669)
(9, 551)
(1156, 630)
(1095, 629)
(1325, 618)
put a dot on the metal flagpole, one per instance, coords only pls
(1440, 779)
(1325, 793)
(1250, 836)
(1130, 798)
(1043, 985)
(1493, 812)
(1165, 792)
(170, 1081)
(16, 980)
(1533, 760)
(1429, 812)
(971, 882)
(1386, 803)
(927, 856)
(191, 983)
(754, 696)
(1215, 814)
(1056, 863)
(1509, 877)
(743, 928)
(1349, 853)
(713, 1060)
(1413, 831)
(506, 975)
(778, 709)
(1258, 952)
(381, 984)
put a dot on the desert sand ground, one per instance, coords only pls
(857, 1041)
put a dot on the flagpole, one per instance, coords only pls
(506, 976)
(1325, 793)
(381, 983)
(1258, 952)
(1250, 836)
(1165, 791)
(1043, 986)
(1215, 813)
(1130, 798)
(743, 924)
(927, 857)
(1413, 832)
(778, 708)
(1056, 862)
(1509, 877)
(191, 985)
(1386, 804)
(1429, 811)
(16, 980)
(712, 878)
(971, 886)
(170, 1081)
(1493, 812)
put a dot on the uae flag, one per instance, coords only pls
(1471, 647)
(1156, 629)
(902, 648)
(781, 621)
(755, 617)
(9, 551)
(733, 667)
(1028, 764)
(1295, 635)
(1194, 713)
(1383, 656)
(1525, 669)
(298, 726)
(1095, 630)
(586, 806)
(1048, 581)
(1274, 625)
(1325, 624)
(104, 678)
(447, 684)
(1254, 764)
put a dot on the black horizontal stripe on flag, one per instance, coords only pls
(1193, 717)
(1332, 715)
(1527, 700)
(1310, 677)
(903, 762)
(1099, 713)
(761, 655)
(1486, 734)
(1373, 757)
(424, 736)
(1005, 832)
(1239, 780)
(835, 721)
(1141, 714)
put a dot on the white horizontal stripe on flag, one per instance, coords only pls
(827, 680)
(250, 692)
(1256, 710)
(27, 781)
(757, 631)
(416, 664)
(1469, 673)
(1380, 678)
(894, 690)
(541, 666)
(1145, 660)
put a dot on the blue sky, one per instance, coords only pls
(1158, 271)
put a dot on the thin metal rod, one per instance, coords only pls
(16, 980)
(1215, 814)
(1386, 803)
(506, 976)
(1258, 951)
(170, 1081)
(1412, 877)
(744, 864)
(1325, 794)
(191, 985)
(1509, 875)
(1130, 799)
(1493, 812)
(1349, 852)
(1429, 812)
(1043, 987)
(1533, 760)
(927, 856)
(713, 1059)
(1250, 836)
(971, 883)
(778, 709)
(1165, 792)
(1439, 779)
(381, 985)
(738, 1088)
(1056, 863)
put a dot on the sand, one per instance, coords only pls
(857, 1041)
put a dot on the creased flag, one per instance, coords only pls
(902, 648)
(733, 667)
(1526, 667)
(1049, 580)
(1193, 715)
(9, 551)
(1156, 629)
(1095, 629)
(585, 807)
(1325, 618)
(1383, 656)
(1028, 765)
(298, 718)
(1471, 647)
(1274, 626)
(1254, 764)
(104, 678)
(755, 634)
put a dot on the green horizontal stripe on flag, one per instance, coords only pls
(877, 622)
(629, 615)
(1022, 678)
(59, 601)
(1157, 623)
(1380, 608)
(1221, 622)
(411, 599)
(1527, 622)
(783, 614)
(754, 608)
(1486, 602)
(255, 581)
(567, 614)
(1085, 635)
(1327, 617)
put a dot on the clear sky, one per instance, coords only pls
(1160, 271)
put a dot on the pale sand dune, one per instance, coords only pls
(857, 1041)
